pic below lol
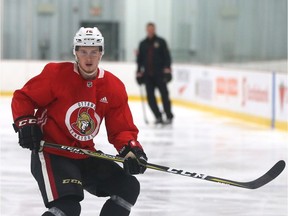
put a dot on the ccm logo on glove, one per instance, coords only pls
(29, 132)
(26, 121)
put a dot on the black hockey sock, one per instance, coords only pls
(110, 208)
(47, 214)
(67, 206)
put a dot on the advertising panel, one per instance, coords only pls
(256, 91)
(227, 89)
(183, 83)
(203, 86)
(281, 98)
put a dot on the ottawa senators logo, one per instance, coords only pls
(82, 121)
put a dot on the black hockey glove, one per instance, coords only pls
(140, 78)
(135, 158)
(167, 77)
(29, 133)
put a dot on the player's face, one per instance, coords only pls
(88, 58)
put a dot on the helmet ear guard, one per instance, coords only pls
(88, 37)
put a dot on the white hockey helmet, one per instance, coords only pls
(88, 37)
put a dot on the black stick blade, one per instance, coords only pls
(263, 180)
(267, 177)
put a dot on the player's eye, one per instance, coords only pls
(93, 53)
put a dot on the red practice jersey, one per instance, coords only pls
(70, 109)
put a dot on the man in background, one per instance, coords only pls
(154, 70)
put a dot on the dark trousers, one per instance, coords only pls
(151, 84)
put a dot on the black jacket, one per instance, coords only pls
(153, 50)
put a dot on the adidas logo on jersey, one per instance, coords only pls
(104, 100)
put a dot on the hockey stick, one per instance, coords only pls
(143, 105)
(264, 179)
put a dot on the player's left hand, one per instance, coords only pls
(135, 158)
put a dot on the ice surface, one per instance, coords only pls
(197, 142)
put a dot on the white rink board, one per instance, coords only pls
(237, 91)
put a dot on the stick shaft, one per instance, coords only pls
(143, 105)
(266, 178)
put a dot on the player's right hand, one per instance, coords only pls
(140, 78)
(167, 75)
(29, 133)
(135, 158)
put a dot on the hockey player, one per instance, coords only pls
(65, 104)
